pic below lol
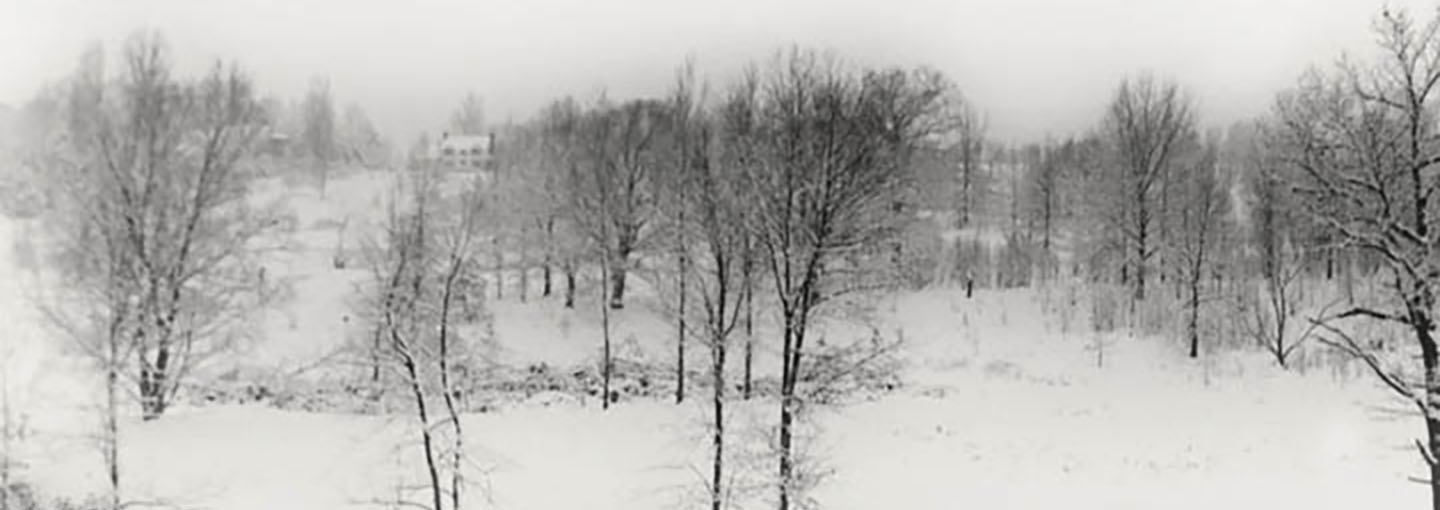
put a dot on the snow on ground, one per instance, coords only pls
(1003, 406)
(232, 457)
(1005, 411)
(309, 313)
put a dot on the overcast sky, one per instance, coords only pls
(1036, 67)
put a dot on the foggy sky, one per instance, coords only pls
(1036, 68)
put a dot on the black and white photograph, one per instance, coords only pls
(719, 254)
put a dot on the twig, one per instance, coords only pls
(1353, 349)
(1425, 452)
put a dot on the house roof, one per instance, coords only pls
(459, 142)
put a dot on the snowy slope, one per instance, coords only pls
(1004, 406)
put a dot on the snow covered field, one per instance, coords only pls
(1000, 408)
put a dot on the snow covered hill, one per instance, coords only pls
(1003, 405)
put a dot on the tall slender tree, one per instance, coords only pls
(1203, 195)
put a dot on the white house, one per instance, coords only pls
(465, 151)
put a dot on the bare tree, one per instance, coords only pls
(1270, 318)
(611, 188)
(1204, 201)
(608, 184)
(835, 145)
(156, 223)
(1044, 188)
(1149, 124)
(417, 269)
(606, 363)
(525, 210)
(559, 126)
(1050, 184)
(456, 242)
(1362, 145)
(402, 274)
(687, 151)
(968, 148)
(719, 224)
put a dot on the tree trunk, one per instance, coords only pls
(1193, 325)
(966, 172)
(1350, 279)
(153, 382)
(1197, 275)
(524, 280)
(787, 419)
(749, 332)
(788, 403)
(569, 285)
(112, 415)
(499, 268)
(426, 438)
(1282, 317)
(717, 371)
(680, 343)
(1047, 214)
(1329, 263)
(605, 354)
(1432, 430)
(617, 283)
(457, 444)
(1140, 249)
(1422, 323)
(1279, 301)
(545, 276)
(549, 255)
